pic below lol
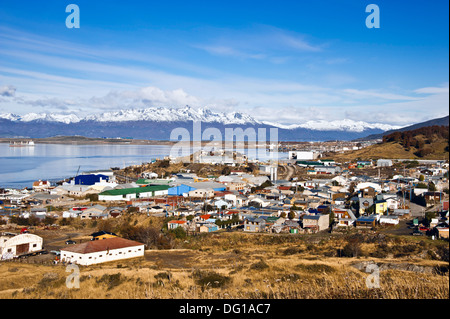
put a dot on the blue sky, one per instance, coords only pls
(280, 61)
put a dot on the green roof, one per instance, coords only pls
(135, 190)
(310, 163)
(145, 181)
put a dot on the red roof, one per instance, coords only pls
(177, 222)
(101, 245)
(207, 216)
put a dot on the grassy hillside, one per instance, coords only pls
(255, 266)
(424, 143)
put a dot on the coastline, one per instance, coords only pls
(85, 140)
(82, 140)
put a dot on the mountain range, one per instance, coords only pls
(157, 124)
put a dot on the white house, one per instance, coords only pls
(375, 186)
(71, 213)
(12, 245)
(100, 251)
(384, 163)
(41, 185)
(238, 200)
(303, 155)
(202, 193)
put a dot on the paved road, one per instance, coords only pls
(416, 210)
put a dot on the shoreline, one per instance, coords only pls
(80, 140)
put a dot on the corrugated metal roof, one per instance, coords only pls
(137, 190)
(101, 245)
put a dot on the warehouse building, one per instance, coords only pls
(14, 245)
(100, 251)
(127, 194)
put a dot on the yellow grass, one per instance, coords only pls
(252, 269)
(394, 150)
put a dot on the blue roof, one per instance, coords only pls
(89, 179)
(366, 218)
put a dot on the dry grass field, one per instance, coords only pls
(394, 150)
(240, 266)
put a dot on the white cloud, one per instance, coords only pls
(433, 90)
(261, 42)
(7, 90)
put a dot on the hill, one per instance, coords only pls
(431, 142)
(443, 121)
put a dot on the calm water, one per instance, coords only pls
(21, 166)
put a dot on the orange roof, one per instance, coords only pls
(205, 216)
(40, 183)
(101, 245)
(177, 222)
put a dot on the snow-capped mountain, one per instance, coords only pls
(158, 122)
(162, 114)
(337, 125)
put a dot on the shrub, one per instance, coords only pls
(111, 281)
(352, 249)
(292, 251)
(163, 275)
(210, 279)
(260, 265)
(443, 251)
(315, 268)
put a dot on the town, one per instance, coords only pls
(223, 192)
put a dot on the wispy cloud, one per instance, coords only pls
(44, 74)
(434, 90)
(261, 42)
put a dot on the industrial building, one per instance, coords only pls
(100, 251)
(15, 245)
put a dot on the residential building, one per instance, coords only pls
(101, 235)
(316, 223)
(344, 217)
(367, 221)
(252, 224)
(41, 185)
(176, 223)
